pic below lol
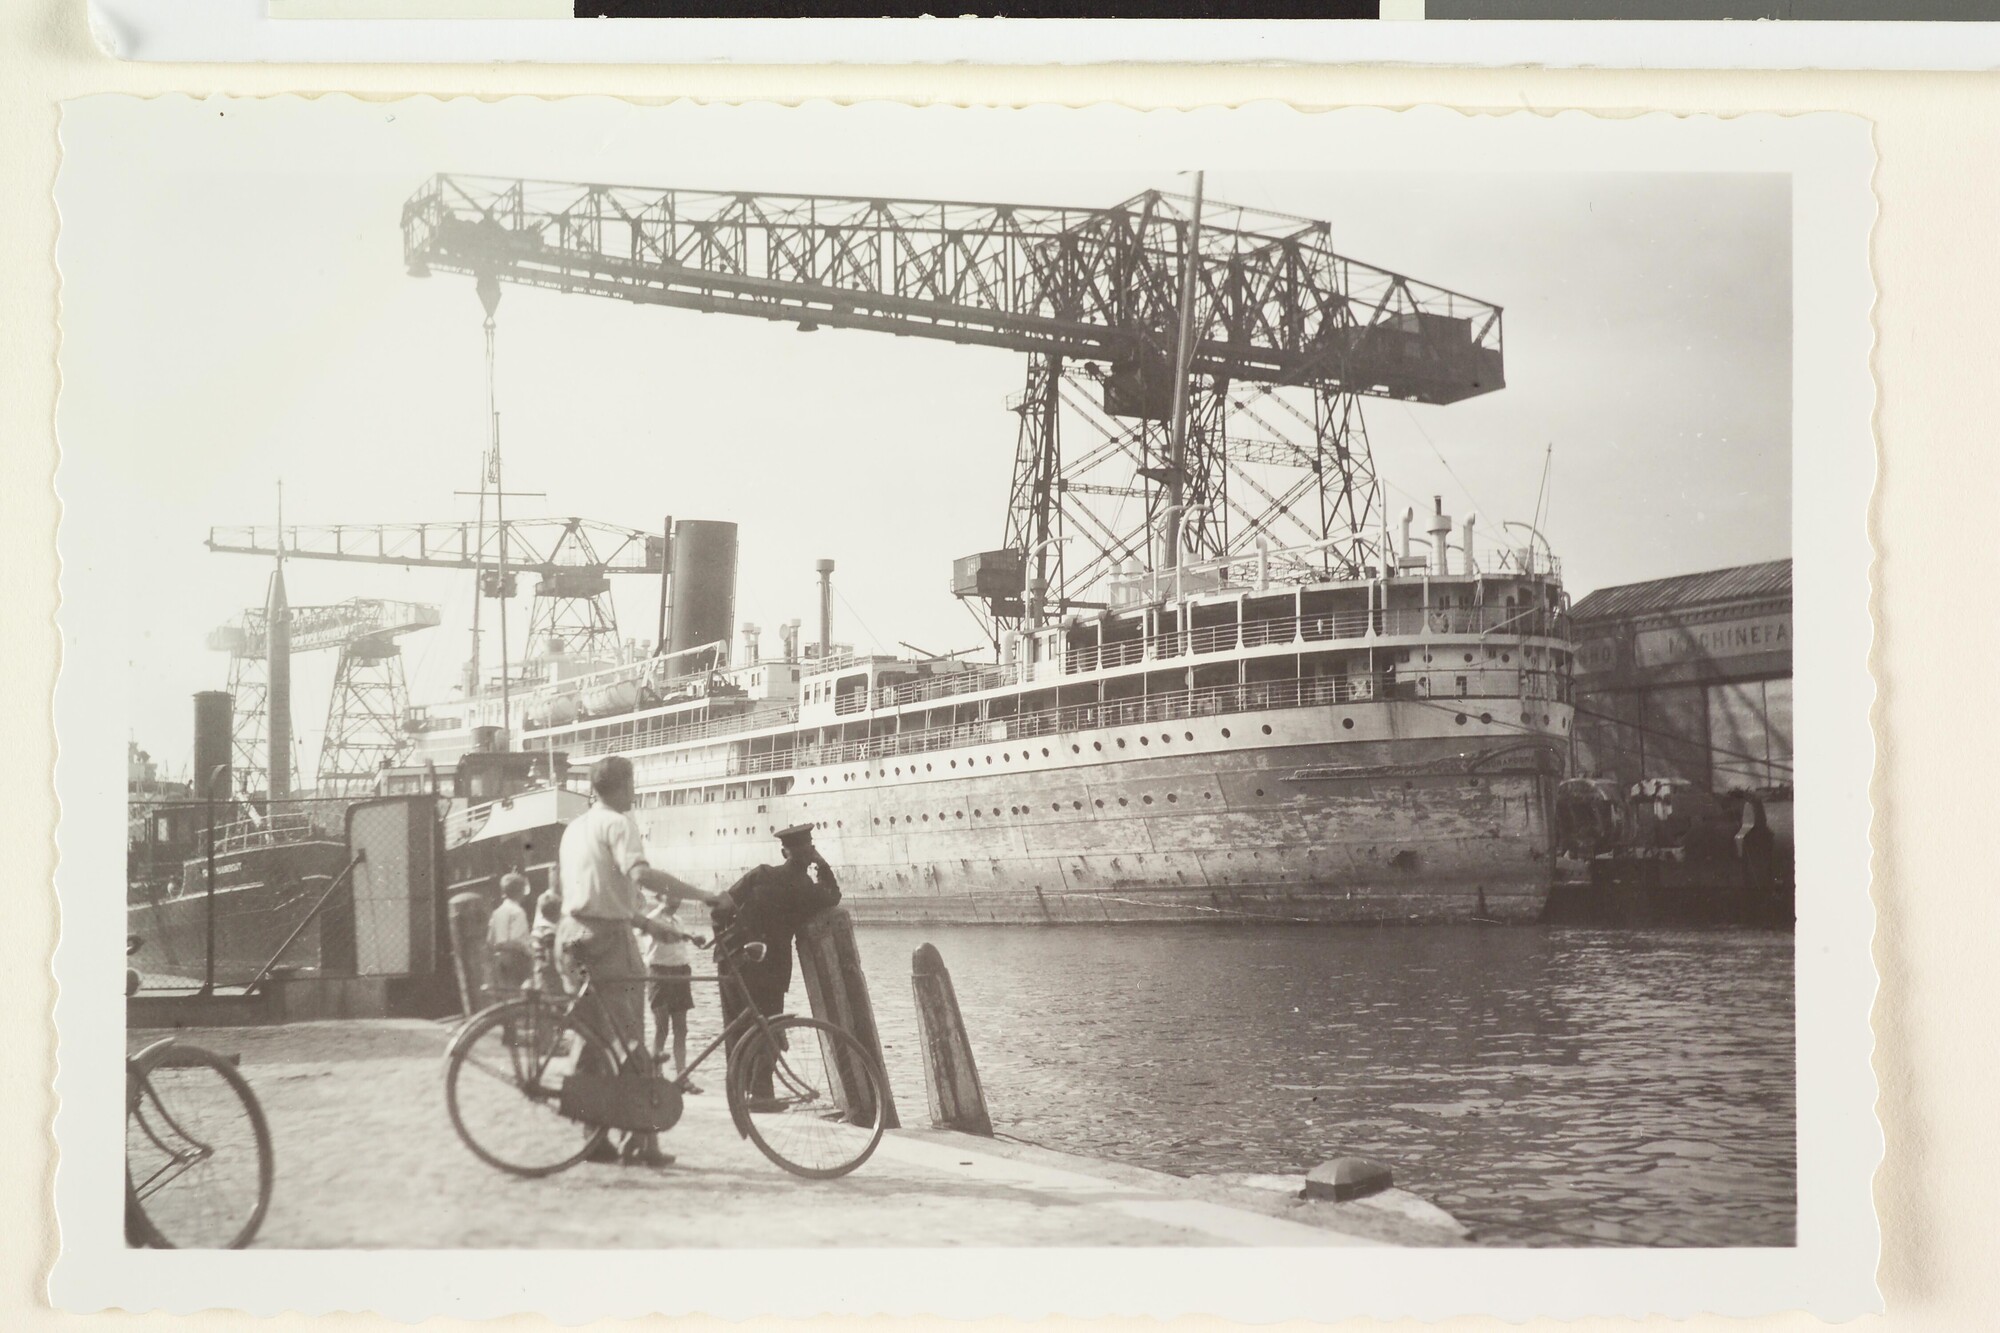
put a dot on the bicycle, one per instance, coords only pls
(198, 1156)
(536, 1084)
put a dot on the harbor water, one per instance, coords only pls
(1548, 1086)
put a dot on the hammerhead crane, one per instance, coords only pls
(364, 718)
(571, 559)
(1162, 328)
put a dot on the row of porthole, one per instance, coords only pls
(1526, 718)
(1166, 738)
(1007, 756)
(1173, 798)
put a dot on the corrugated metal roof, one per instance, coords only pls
(1742, 583)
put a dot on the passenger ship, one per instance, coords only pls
(1215, 747)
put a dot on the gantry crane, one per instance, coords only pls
(364, 716)
(572, 560)
(1220, 395)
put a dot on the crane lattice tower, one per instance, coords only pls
(370, 698)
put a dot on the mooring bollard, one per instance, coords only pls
(950, 1077)
(830, 964)
(466, 914)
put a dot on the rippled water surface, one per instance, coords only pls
(1550, 1087)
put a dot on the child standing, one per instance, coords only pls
(542, 938)
(670, 967)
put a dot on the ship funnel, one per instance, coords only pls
(1471, 560)
(750, 635)
(824, 568)
(1440, 530)
(788, 636)
(212, 716)
(702, 585)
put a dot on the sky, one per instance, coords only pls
(235, 312)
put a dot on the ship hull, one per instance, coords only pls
(261, 896)
(1299, 828)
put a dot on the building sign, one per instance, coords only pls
(1594, 656)
(1721, 638)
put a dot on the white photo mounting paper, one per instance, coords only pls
(1016, 711)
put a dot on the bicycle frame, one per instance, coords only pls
(585, 1010)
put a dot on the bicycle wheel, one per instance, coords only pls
(816, 1105)
(198, 1157)
(503, 1083)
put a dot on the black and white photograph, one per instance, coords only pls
(1032, 711)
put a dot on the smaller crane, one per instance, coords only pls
(364, 718)
(571, 559)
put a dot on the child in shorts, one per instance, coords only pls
(670, 969)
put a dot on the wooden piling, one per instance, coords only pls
(950, 1077)
(830, 964)
(467, 913)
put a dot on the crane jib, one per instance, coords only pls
(1272, 303)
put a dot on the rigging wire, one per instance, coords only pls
(872, 636)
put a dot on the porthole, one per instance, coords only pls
(1527, 717)
(1123, 801)
(1008, 758)
(1267, 728)
(927, 819)
(1506, 657)
(1172, 799)
(1055, 805)
(1045, 752)
(927, 768)
(1146, 800)
(840, 823)
(1076, 749)
(1260, 791)
(1121, 742)
(989, 758)
(996, 810)
(1097, 745)
(1207, 795)
(1460, 719)
(1468, 657)
(954, 763)
(1225, 733)
(940, 816)
(1545, 719)
(960, 814)
(1076, 805)
(1099, 803)
(1166, 738)
(1188, 735)
(1486, 718)
(899, 771)
(878, 819)
(1427, 657)
(1347, 724)
(1145, 740)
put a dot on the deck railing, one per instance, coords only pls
(1481, 685)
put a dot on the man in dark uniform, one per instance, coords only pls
(769, 904)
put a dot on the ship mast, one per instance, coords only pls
(1183, 348)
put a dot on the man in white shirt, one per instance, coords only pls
(604, 871)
